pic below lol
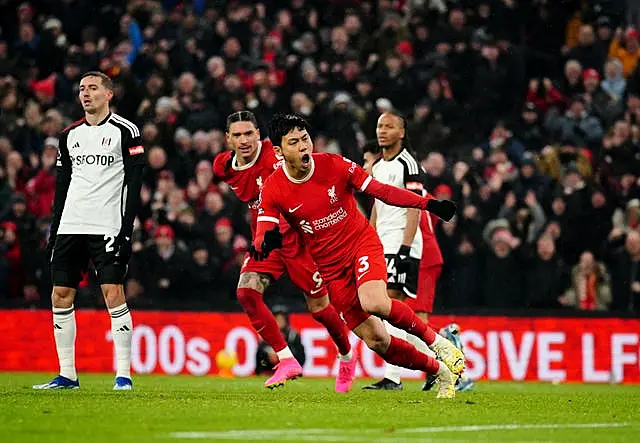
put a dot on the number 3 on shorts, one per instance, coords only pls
(364, 265)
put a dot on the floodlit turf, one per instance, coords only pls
(190, 409)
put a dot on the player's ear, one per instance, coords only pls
(278, 149)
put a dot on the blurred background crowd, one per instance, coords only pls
(527, 113)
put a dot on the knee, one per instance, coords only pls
(378, 342)
(395, 294)
(374, 303)
(317, 304)
(248, 296)
(254, 281)
(62, 297)
(113, 294)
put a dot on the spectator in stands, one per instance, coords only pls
(626, 48)
(545, 279)
(462, 76)
(590, 282)
(503, 268)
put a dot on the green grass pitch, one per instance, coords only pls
(183, 409)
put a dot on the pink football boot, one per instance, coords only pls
(346, 375)
(287, 369)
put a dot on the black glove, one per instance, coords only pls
(403, 260)
(123, 248)
(272, 240)
(444, 209)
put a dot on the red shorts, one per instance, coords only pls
(294, 259)
(368, 264)
(427, 279)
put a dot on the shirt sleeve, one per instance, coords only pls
(133, 150)
(413, 176)
(134, 161)
(222, 164)
(63, 180)
(354, 174)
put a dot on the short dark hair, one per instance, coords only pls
(106, 80)
(281, 124)
(242, 116)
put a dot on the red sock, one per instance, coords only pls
(261, 318)
(403, 317)
(330, 319)
(403, 353)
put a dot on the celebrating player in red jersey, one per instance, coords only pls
(314, 193)
(244, 169)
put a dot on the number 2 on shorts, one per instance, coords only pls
(108, 247)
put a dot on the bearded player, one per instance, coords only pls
(245, 168)
(314, 194)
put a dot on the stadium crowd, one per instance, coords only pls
(527, 113)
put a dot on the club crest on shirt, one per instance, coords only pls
(333, 198)
(106, 141)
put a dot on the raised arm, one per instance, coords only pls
(391, 195)
(444, 209)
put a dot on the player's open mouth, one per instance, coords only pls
(306, 159)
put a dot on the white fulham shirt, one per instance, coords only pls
(402, 171)
(97, 160)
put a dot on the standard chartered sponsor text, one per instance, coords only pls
(329, 220)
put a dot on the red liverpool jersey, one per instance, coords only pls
(247, 180)
(322, 208)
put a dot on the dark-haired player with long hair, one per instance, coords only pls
(406, 234)
(314, 194)
(245, 168)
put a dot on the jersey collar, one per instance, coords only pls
(106, 119)
(306, 177)
(234, 162)
(402, 149)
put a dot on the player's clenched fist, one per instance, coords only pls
(444, 209)
(272, 240)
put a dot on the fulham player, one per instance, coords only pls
(99, 176)
(403, 232)
(314, 194)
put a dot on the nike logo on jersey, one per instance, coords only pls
(362, 275)
(235, 188)
(315, 291)
(292, 210)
